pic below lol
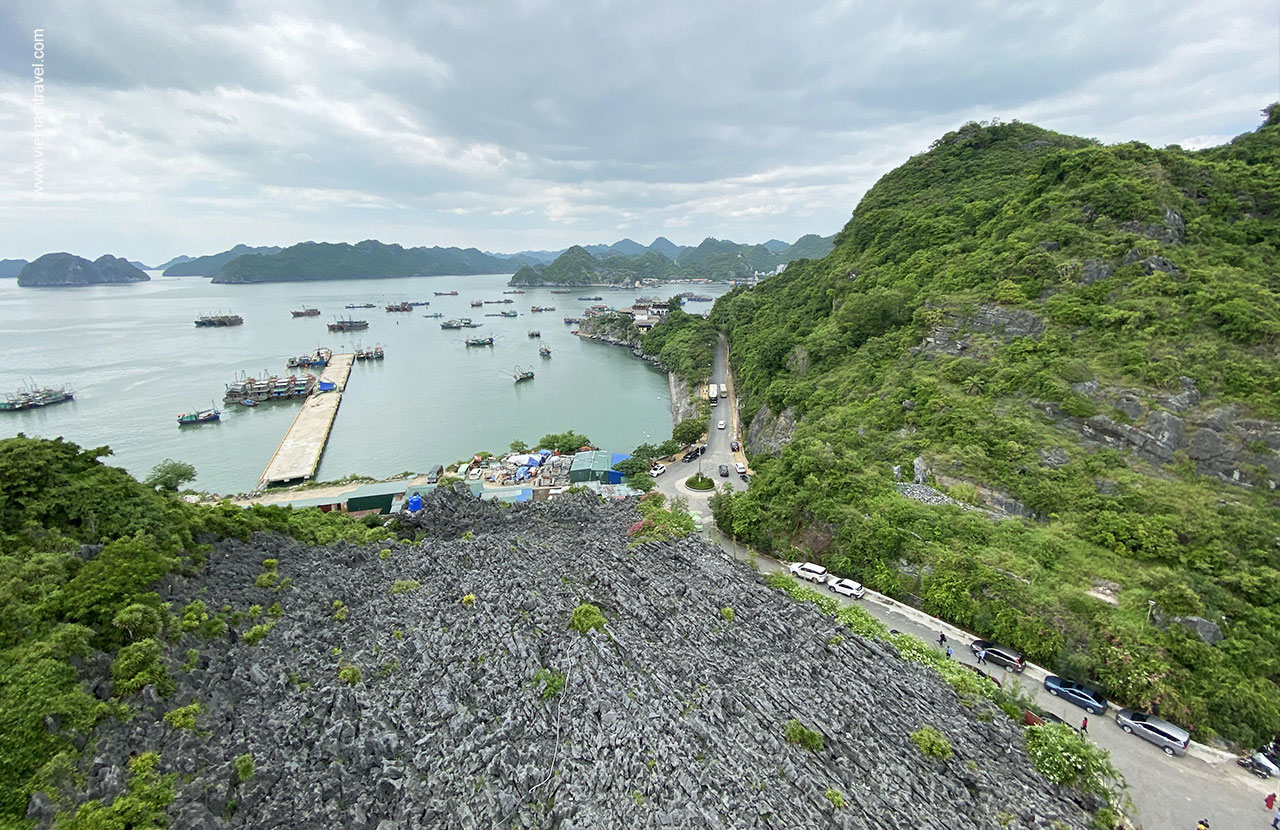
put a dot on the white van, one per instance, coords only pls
(809, 571)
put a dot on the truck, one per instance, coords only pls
(724, 391)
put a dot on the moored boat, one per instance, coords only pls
(205, 321)
(433, 314)
(523, 374)
(477, 303)
(542, 308)
(272, 387)
(306, 312)
(446, 293)
(561, 292)
(399, 307)
(508, 314)
(200, 416)
(376, 353)
(544, 350)
(348, 325)
(517, 291)
(479, 341)
(361, 305)
(32, 397)
(569, 321)
(535, 333)
(590, 299)
(317, 359)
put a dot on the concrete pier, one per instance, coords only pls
(299, 452)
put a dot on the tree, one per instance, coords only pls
(565, 442)
(689, 431)
(518, 446)
(170, 475)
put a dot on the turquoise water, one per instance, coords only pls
(135, 361)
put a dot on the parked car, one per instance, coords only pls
(1260, 765)
(741, 468)
(657, 470)
(724, 470)
(846, 587)
(809, 571)
(998, 654)
(722, 425)
(688, 457)
(1073, 692)
(1174, 740)
(735, 446)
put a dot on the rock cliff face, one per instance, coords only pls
(68, 269)
(769, 433)
(671, 716)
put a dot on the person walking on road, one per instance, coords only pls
(1084, 726)
(1270, 801)
(942, 639)
(982, 656)
(948, 652)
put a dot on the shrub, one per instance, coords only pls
(339, 610)
(137, 621)
(932, 742)
(275, 610)
(254, 635)
(467, 536)
(349, 674)
(552, 682)
(586, 617)
(727, 613)
(184, 717)
(254, 612)
(1063, 756)
(142, 804)
(405, 586)
(698, 481)
(139, 664)
(245, 767)
(469, 600)
(834, 796)
(385, 553)
(797, 733)
(193, 657)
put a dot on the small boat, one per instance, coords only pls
(200, 416)
(419, 305)
(248, 402)
(535, 333)
(451, 324)
(561, 292)
(542, 308)
(569, 321)
(349, 325)
(590, 299)
(446, 293)
(467, 324)
(517, 291)
(361, 305)
(218, 320)
(477, 303)
(433, 314)
(376, 353)
(399, 307)
(544, 350)
(479, 341)
(317, 359)
(306, 312)
(508, 314)
(523, 374)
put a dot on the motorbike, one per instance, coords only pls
(1258, 764)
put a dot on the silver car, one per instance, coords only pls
(1174, 740)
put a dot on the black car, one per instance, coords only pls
(735, 446)
(724, 470)
(688, 457)
(998, 654)
(1073, 692)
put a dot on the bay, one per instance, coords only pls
(135, 360)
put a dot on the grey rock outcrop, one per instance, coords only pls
(769, 433)
(954, 335)
(1093, 270)
(919, 471)
(671, 716)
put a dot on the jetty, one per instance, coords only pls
(299, 452)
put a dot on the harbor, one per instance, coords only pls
(298, 455)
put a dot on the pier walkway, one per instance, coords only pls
(299, 452)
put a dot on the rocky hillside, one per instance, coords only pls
(370, 258)
(207, 266)
(1082, 338)
(10, 268)
(68, 269)
(439, 681)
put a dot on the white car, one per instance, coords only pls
(742, 468)
(847, 587)
(722, 425)
(657, 470)
(809, 571)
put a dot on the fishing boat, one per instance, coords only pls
(542, 308)
(535, 333)
(420, 304)
(361, 305)
(200, 416)
(452, 324)
(477, 303)
(561, 292)
(32, 397)
(522, 374)
(590, 299)
(269, 388)
(544, 350)
(508, 314)
(467, 324)
(348, 325)
(479, 341)
(446, 293)
(399, 307)
(250, 402)
(318, 359)
(205, 321)
(433, 314)
(517, 291)
(306, 312)
(376, 353)
(569, 321)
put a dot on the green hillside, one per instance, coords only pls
(370, 258)
(1082, 337)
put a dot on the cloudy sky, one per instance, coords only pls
(187, 127)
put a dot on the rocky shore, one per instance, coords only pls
(437, 682)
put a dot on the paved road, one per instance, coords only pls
(1168, 793)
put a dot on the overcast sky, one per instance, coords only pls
(186, 127)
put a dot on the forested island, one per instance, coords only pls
(368, 259)
(63, 269)
(207, 266)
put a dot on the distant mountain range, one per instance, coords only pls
(207, 266)
(175, 261)
(327, 261)
(716, 259)
(623, 247)
(10, 268)
(68, 269)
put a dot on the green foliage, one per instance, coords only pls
(661, 519)
(469, 600)
(835, 797)
(169, 475)
(256, 634)
(141, 664)
(245, 767)
(406, 586)
(138, 621)
(586, 617)
(684, 343)
(326, 260)
(552, 682)
(1063, 756)
(143, 803)
(184, 717)
(948, 247)
(932, 742)
(797, 733)
(727, 614)
(349, 674)
(690, 430)
(566, 442)
(340, 610)
(698, 481)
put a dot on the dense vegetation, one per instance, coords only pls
(370, 258)
(68, 269)
(1140, 269)
(82, 546)
(207, 266)
(716, 259)
(684, 343)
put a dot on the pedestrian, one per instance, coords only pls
(942, 639)
(1270, 801)
(948, 652)
(1084, 725)
(982, 657)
